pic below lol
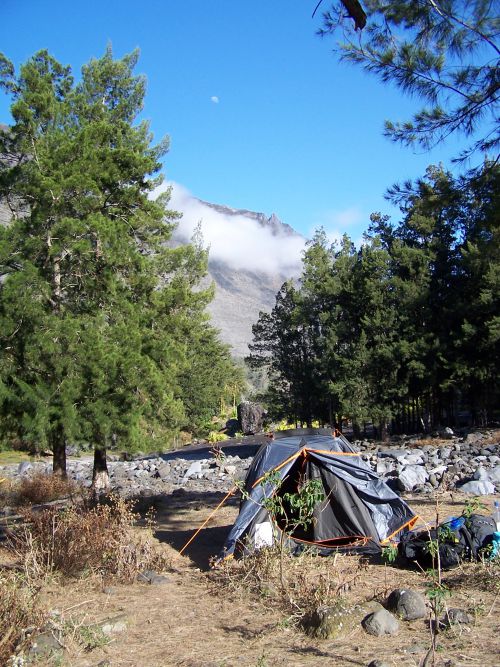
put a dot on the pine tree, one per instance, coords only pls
(94, 303)
(285, 345)
(444, 52)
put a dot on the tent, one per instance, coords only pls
(358, 511)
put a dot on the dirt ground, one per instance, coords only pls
(188, 622)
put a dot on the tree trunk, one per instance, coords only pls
(58, 446)
(383, 431)
(100, 474)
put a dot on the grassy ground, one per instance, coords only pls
(10, 456)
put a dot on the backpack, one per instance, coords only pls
(459, 539)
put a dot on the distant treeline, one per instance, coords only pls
(404, 332)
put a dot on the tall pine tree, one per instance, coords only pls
(94, 303)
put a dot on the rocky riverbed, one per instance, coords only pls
(469, 462)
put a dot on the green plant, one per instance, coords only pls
(390, 553)
(289, 511)
(216, 436)
(91, 637)
(472, 506)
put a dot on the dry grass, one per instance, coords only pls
(81, 540)
(19, 610)
(293, 585)
(36, 489)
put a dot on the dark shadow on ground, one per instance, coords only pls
(206, 545)
(312, 650)
(178, 515)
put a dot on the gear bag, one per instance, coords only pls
(459, 539)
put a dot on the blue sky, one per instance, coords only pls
(260, 113)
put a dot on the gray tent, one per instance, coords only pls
(359, 511)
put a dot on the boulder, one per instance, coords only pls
(407, 604)
(411, 476)
(336, 621)
(232, 427)
(381, 622)
(481, 474)
(250, 417)
(194, 469)
(478, 487)
(113, 625)
(494, 475)
(151, 577)
(24, 468)
(329, 622)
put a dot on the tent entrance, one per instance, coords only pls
(340, 519)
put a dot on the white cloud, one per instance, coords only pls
(236, 239)
(214, 99)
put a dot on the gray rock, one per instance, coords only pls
(384, 466)
(194, 469)
(392, 453)
(447, 433)
(24, 467)
(381, 623)
(411, 476)
(413, 459)
(445, 453)
(481, 474)
(456, 617)
(472, 438)
(433, 481)
(477, 487)
(151, 577)
(407, 604)
(45, 645)
(379, 663)
(494, 475)
(114, 625)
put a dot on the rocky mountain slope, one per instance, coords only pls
(241, 292)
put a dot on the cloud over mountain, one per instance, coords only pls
(241, 239)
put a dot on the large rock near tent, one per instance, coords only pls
(251, 417)
(334, 622)
(408, 604)
(381, 623)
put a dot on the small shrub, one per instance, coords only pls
(19, 610)
(216, 436)
(390, 553)
(41, 488)
(90, 636)
(312, 581)
(80, 540)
